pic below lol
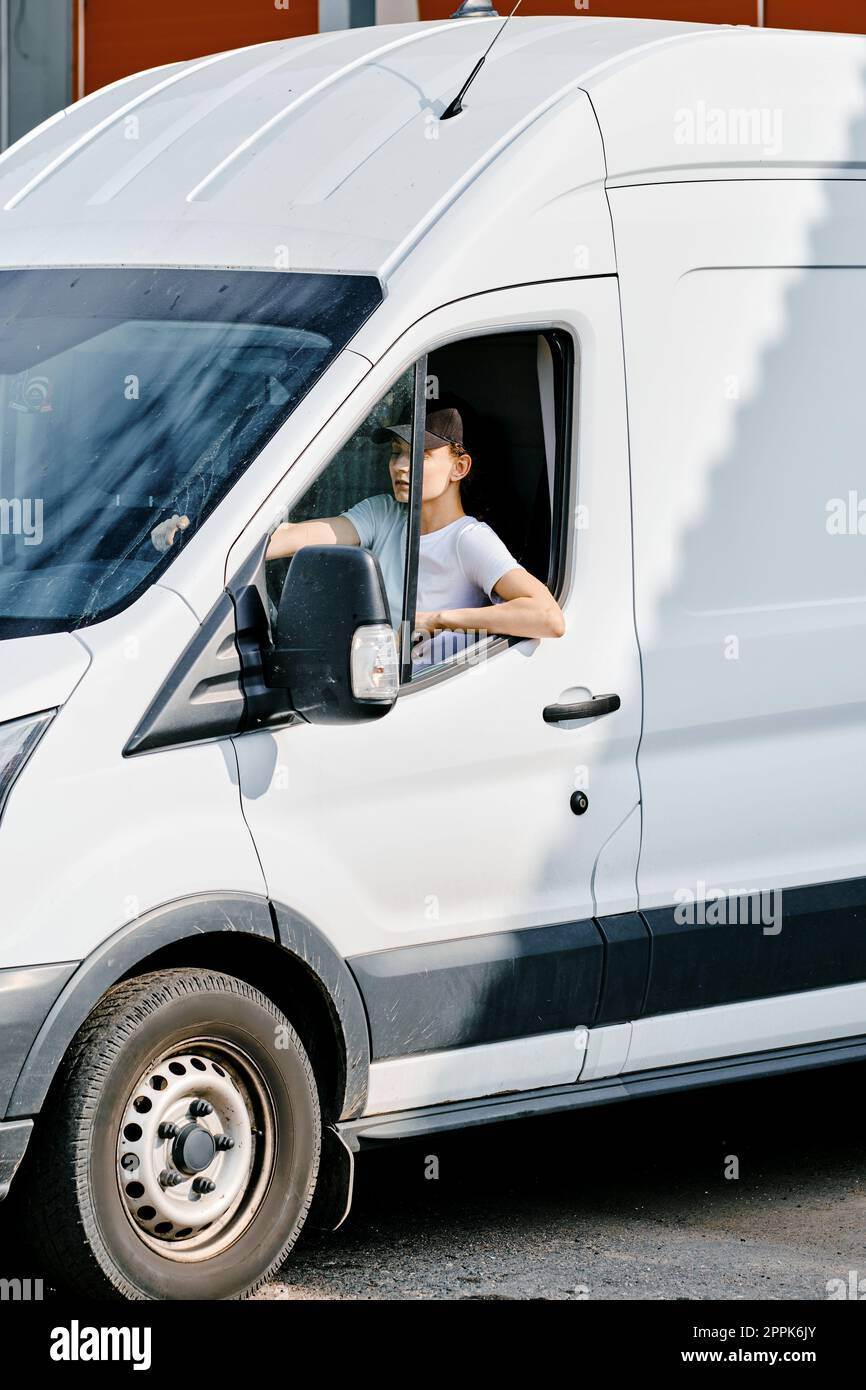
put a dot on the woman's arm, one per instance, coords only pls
(528, 610)
(326, 530)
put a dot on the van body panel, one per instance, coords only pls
(39, 673)
(547, 227)
(437, 1078)
(611, 889)
(320, 815)
(743, 312)
(606, 1051)
(72, 803)
(756, 1025)
(734, 102)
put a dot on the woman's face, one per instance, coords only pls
(441, 469)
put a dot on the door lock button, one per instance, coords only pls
(579, 802)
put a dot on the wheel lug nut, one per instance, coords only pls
(203, 1185)
(201, 1107)
(223, 1143)
(167, 1130)
(169, 1179)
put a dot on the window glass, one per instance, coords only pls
(507, 393)
(359, 475)
(130, 402)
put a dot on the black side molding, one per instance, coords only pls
(626, 968)
(337, 983)
(480, 989)
(756, 945)
(14, 1139)
(26, 996)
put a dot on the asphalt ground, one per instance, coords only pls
(754, 1191)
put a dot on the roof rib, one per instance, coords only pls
(89, 135)
(210, 179)
(200, 112)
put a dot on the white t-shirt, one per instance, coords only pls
(458, 565)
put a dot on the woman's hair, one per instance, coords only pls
(471, 485)
(473, 488)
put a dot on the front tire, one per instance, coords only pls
(178, 1154)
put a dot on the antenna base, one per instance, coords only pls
(473, 9)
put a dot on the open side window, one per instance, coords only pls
(513, 391)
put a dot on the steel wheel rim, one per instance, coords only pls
(173, 1218)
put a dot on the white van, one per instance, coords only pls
(248, 923)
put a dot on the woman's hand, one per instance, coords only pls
(427, 623)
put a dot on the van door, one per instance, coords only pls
(449, 850)
(746, 414)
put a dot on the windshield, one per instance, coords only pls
(131, 397)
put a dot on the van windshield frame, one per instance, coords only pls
(131, 395)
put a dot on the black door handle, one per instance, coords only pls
(584, 709)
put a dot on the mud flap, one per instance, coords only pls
(333, 1196)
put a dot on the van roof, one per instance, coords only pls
(326, 152)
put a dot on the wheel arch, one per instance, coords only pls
(269, 945)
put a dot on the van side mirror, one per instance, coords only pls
(335, 650)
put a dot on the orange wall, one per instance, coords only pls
(843, 16)
(847, 16)
(695, 11)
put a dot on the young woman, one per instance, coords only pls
(468, 581)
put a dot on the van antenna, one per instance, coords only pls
(456, 106)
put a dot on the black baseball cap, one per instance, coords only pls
(440, 427)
